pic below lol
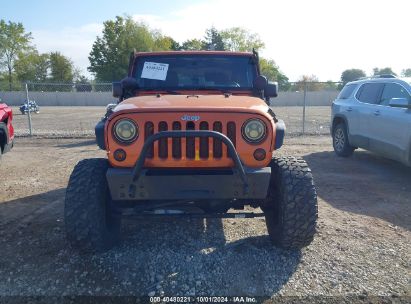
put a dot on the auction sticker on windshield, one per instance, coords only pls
(154, 70)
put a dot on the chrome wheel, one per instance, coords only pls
(339, 139)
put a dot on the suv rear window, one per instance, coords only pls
(346, 91)
(370, 92)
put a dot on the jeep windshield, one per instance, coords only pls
(195, 72)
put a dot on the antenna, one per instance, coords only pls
(131, 61)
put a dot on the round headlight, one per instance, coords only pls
(125, 131)
(254, 130)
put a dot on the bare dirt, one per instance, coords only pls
(362, 246)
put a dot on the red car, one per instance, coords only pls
(6, 128)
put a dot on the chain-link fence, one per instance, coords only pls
(70, 109)
(306, 106)
(13, 86)
(69, 87)
(16, 86)
(310, 86)
(106, 86)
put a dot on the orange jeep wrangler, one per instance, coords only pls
(191, 131)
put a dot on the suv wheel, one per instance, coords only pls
(340, 141)
(90, 224)
(291, 210)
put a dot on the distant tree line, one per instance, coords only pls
(20, 61)
(355, 74)
(110, 53)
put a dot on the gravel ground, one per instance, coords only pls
(362, 247)
(80, 121)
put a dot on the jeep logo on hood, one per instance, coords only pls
(190, 118)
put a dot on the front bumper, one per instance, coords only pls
(169, 184)
(238, 182)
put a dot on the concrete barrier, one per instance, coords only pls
(59, 98)
(317, 98)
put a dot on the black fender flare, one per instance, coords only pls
(279, 134)
(100, 136)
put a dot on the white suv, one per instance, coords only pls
(374, 114)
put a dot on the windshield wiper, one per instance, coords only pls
(226, 93)
(171, 92)
(160, 91)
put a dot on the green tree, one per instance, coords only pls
(331, 85)
(164, 43)
(240, 40)
(377, 71)
(406, 73)
(213, 41)
(351, 75)
(269, 69)
(32, 66)
(3, 78)
(110, 53)
(192, 45)
(61, 68)
(13, 40)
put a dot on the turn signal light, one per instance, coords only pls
(259, 154)
(120, 155)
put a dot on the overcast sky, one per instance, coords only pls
(317, 37)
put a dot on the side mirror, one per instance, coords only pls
(117, 89)
(130, 86)
(271, 90)
(125, 88)
(400, 103)
(260, 83)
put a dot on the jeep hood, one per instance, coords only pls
(201, 103)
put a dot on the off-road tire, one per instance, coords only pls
(341, 144)
(90, 224)
(291, 209)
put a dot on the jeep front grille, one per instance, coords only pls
(189, 146)
(148, 131)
